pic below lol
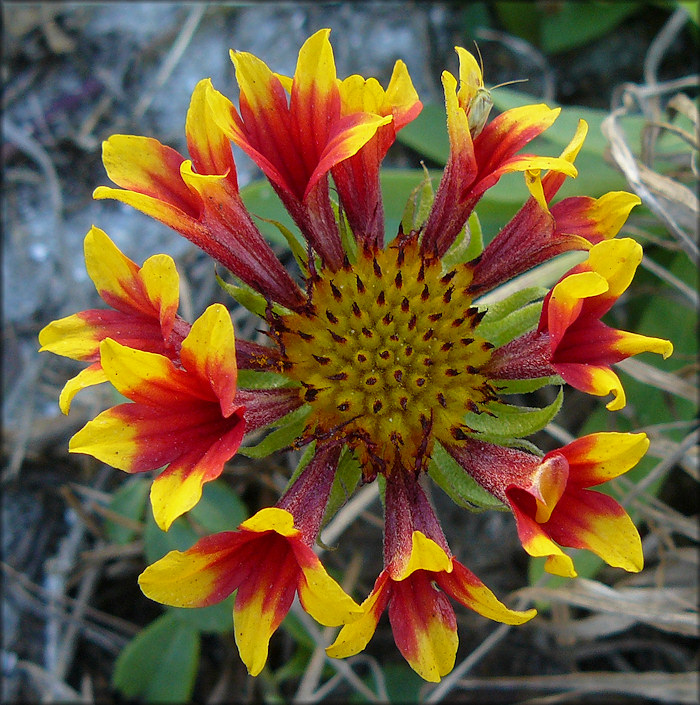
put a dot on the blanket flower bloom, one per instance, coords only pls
(382, 362)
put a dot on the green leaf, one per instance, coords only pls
(458, 484)
(574, 24)
(418, 204)
(514, 421)
(468, 244)
(397, 186)
(257, 379)
(293, 242)
(249, 298)
(160, 663)
(345, 480)
(508, 319)
(215, 619)
(130, 502)
(157, 543)
(219, 509)
(523, 386)
(293, 425)
(427, 134)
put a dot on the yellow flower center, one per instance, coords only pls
(388, 357)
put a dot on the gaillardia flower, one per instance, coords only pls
(381, 354)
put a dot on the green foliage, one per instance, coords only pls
(468, 244)
(129, 501)
(510, 422)
(160, 664)
(564, 25)
(290, 428)
(513, 316)
(346, 478)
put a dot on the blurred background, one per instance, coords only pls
(76, 533)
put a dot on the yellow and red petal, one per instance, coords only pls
(263, 599)
(174, 216)
(151, 291)
(509, 132)
(401, 99)
(536, 541)
(319, 594)
(145, 166)
(595, 219)
(462, 585)
(598, 380)
(137, 438)
(179, 487)
(77, 337)
(461, 145)
(424, 626)
(599, 457)
(348, 135)
(595, 521)
(547, 485)
(353, 637)
(94, 374)
(207, 144)
(271, 519)
(209, 352)
(425, 555)
(553, 180)
(205, 574)
(616, 261)
(265, 122)
(565, 302)
(149, 378)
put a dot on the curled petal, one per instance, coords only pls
(462, 585)
(355, 636)
(263, 601)
(425, 555)
(145, 166)
(598, 380)
(319, 594)
(537, 543)
(94, 374)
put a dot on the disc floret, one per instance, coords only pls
(388, 355)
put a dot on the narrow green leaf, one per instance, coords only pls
(458, 484)
(293, 242)
(249, 298)
(346, 478)
(130, 502)
(523, 386)
(160, 663)
(293, 425)
(514, 421)
(257, 379)
(513, 325)
(468, 244)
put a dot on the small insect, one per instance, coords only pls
(474, 96)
